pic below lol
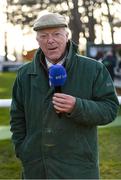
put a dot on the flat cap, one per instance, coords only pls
(50, 20)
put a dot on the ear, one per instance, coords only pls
(37, 36)
(67, 36)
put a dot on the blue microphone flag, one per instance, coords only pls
(57, 75)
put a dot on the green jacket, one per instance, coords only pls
(66, 147)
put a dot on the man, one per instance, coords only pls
(50, 146)
(109, 60)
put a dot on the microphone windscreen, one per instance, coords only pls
(57, 75)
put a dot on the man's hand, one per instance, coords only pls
(63, 102)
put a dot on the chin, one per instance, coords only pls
(54, 59)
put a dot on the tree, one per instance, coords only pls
(82, 14)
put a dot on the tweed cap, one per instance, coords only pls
(50, 20)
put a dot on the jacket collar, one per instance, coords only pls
(72, 50)
(35, 64)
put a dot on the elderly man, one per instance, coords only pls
(52, 146)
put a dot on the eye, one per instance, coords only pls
(43, 36)
(56, 34)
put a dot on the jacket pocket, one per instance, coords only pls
(30, 149)
(73, 148)
(86, 154)
(19, 150)
(34, 170)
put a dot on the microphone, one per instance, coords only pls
(57, 77)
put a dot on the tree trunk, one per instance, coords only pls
(6, 48)
(75, 23)
(110, 21)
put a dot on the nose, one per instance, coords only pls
(50, 38)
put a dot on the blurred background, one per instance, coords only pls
(96, 28)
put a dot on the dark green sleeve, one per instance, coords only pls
(17, 115)
(102, 108)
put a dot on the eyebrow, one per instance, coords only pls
(49, 32)
(57, 30)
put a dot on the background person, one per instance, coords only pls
(50, 146)
(109, 61)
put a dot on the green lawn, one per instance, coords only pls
(109, 142)
(110, 152)
(6, 83)
(10, 167)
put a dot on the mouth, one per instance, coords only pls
(52, 48)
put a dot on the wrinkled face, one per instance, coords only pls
(53, 42)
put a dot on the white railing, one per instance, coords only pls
(119, 98)
(7, 102)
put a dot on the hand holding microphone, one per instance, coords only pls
(62, 102)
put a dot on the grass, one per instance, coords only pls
(4, 116)
(6, 82)
(109, 143)
(110, 154)
(10, 167)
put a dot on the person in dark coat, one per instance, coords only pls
(109, 61)
(51, 146)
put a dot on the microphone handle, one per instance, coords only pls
(57, 89)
